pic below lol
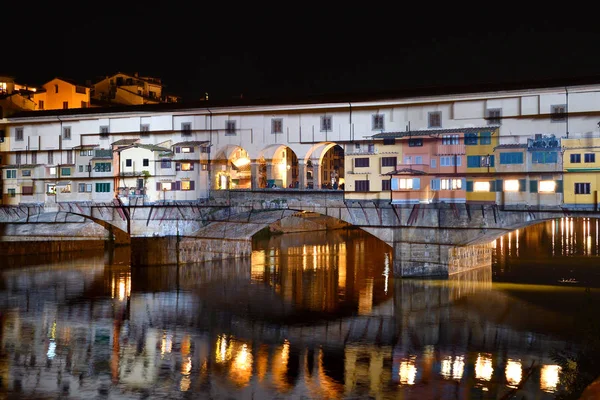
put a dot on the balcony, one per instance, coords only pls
(450, 149)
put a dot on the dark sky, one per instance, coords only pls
(299, 48)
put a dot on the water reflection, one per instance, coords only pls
(309, 316)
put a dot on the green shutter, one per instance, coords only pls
(559, 186)
(469, 186)
(522, 185)
(492, 186)
(533, 186)
(499, 187)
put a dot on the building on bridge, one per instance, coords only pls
(482, 146)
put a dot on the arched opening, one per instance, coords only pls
(233, 170)
(325, 167)
(278, 168)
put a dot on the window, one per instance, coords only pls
(481, 186)
(485, 138)
(371, 148)
(230, 127)
(102, 187)
(326, 123)
(377, 123)
(405, 183)
(128, 162)
(163, 186)
(80, 89)
(84, 187)
(27, 190)
(104, 130)
(558, 112)
(450, 161)
(11, 174)
(12, 192)
(26, 172)
(433, 163)
(434, 119)
(389, 141)
(386, 184)
(145, 162)
(494, 116)
(415, 142)
(187, 185)
(50, 157)
(18, 158)
(544, 157)
(65, 105)
(52, 171)
(55, 88)
(41, 104)
(186, 166)
(65, 171)
(165, 163)
(450, 139)
(511, 185)
(186, 129)
(451, 184)
(67, 133)
(187, 149)
(388, 162)
(34, 158)
(362, 186)
(547, 187)
(361, 162)
(480, 161)
(471, 139)
(582, 188)
(69, 157)
(277, 125)
(145, 130)
(511, 158)
(18, 134)
(81, 168)
(102, 167)
(575, 158)
(587, 157)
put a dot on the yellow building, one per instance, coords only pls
(15, 97)
(366, 168)
(61, 93)
(581, 164)
(481, 165)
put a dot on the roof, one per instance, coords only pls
(429, 132)
(68, 80)
(85, 146)
(150, 147)
(511, 146)
(124, 142)
(193, 143)
(409, 171)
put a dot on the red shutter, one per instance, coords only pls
(191, 185)
(177, 149)
(158, 186)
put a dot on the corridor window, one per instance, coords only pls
(558, 112)
(66, 133)
(186, 129)
(326, 123)
(582, 188)
(434, 119)
(277, 125)
(494, 116)
(18, 134)
(230, 127)
(104, 130)
(377, 123)
(547, 187)
(481, 187)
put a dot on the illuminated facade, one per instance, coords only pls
(581, 161)
(133, 89)
(61, 94)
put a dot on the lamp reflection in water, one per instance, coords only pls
(483, 367)
(549, 377)
(514, 373)
(121, 286)
(186, 364)
(408, 371)
(237, 357)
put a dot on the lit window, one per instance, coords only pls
(511, 185)
(186, 166)
(187, 149)
(185, 185)
(547, 186)
(166, 186)
(451, 184)
(481, 187)
(405, 183)
(52, 170)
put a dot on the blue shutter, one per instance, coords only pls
(499, 187)
(435, 184)
(533, 186)
(522, 185)
(491, 160)
(463, 184)
(416, 183)
(394, 184)
(559, 186)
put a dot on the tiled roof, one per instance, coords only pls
(511, 146)
(192, 143)
(85, 146)
(429, 132)
(125, 142)
(408, 171)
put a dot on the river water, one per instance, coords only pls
(310, 316)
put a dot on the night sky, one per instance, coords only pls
(298, 49)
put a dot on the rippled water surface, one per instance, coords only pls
(313, 315)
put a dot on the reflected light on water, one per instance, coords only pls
(483, 367)
(549, 377)
(386, 272)
(408, 371)
(121, 286)
(166, 344)
(514, 372)
(453, 367)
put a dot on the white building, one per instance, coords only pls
(272, 136)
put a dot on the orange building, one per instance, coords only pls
(62, 93)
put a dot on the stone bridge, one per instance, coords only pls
(428, 239)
